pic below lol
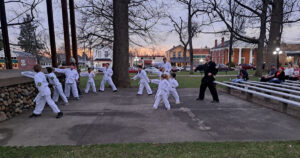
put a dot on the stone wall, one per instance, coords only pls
(15, 99)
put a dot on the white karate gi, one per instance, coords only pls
(144, 82)
(71, 78)
(57, 88)
(173, 85)
(162, 94)
(44, 94)
(107, 74)
(167, 66)
(159, 73)
(90, 82)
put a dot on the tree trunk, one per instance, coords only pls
(121, 43)
(275, 32)
(184, 57)
(190, 38)
(262, 37)
(230, 49)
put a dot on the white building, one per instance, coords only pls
(145, 60)
(102, 56)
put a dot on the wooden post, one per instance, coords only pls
(73, 31)
(66, 30)
(51, 33)
(8, 61)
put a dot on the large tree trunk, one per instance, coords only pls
(121, 43)
(275, 32)
(262, 37)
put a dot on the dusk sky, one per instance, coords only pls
(164, 39)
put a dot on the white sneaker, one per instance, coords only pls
(177, 103)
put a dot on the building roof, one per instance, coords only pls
(174, 47)
(236, 44)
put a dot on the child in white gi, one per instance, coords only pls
(91, 81)
(160, 72)
(57, 87)
(107, 74)
(174, 84)
(163, 92)
(144, 81)
(44, 94)
(71, 78)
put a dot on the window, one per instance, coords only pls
(179, 54)
(174, 54)
(243, 60)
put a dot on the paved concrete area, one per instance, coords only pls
(122, 118)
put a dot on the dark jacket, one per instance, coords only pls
(281, 76)
(244, 74)
(209, 67)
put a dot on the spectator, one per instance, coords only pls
(279, 76)
(270, 75)
(289, 71)
(296, 74)
(243, 76)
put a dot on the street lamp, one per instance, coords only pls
(136, 59)
(277, 52)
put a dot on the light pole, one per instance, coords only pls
(136, 59)
(277, 52)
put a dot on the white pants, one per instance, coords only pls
(174, 93)
(141, 88)
(164, 97)
(87, 88)
(58, 91)
(110, 82)
(73, 86)
(40, 104)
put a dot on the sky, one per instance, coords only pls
(164, 39)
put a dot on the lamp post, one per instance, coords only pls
(136, 59)
(277, 52)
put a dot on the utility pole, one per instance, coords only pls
(73, 31)
(66, 30)
(51, 33)
(8, 62)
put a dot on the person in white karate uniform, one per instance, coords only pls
(44, 95)
(144, 81)
(163, 92)
(107, 74)
(166, 65)
(57, 87)
(160, 72)
(72, 77)
(174, 84)
(91, 82)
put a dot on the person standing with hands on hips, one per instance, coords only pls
(208, 80)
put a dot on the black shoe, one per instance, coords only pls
(101, 91)
(59, 115)
(198, 99)
(149, 94)
(214, 101)
(138, 94)
(115, 91)
(34, 115)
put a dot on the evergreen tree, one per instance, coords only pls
(28, 40)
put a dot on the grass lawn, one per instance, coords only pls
(146, 150)
(189, 81)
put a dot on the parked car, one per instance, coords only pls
(151, 69)
(223, 67)
(133, 70)
(247, 66)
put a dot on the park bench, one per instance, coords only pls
(278, 85)
(261, 84)
(249, 92)
(290, 81)
(267, 91)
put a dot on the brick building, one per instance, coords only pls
(175, 55)
(20, 60)
(243, 53)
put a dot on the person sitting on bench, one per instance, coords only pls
(270, 75)
(279, 76)
(296, 74)
(243, 76)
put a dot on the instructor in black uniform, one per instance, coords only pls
(208, 80)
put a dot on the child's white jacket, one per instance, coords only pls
(71, 75)
(173, 83)
(90, 76)
(163, 88)
(53, 80)
(107, 72)
(143, 77)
